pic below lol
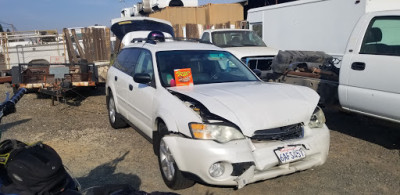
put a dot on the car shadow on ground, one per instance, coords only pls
(6, 126)
(105, 174)
(377, 131)
(76, 96)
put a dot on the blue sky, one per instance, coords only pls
(57, 14)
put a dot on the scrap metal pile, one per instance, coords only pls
(316, 70)
(306, 63)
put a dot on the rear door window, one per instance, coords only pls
(127, 59)
(382, 37)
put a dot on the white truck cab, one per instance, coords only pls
(245, 45)
(369, 80)
(362, 35)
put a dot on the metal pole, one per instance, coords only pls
(8, 55)
(58, 41)
(65, 50)
(23, 54)
(17, 52)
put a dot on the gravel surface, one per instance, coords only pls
(364, 156)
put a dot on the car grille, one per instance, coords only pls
(280, 133)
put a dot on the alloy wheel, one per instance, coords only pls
(167, 161)
(111, 109)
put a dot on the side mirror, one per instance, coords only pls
(142, 78)
(257, 72)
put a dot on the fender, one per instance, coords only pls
(170, 119)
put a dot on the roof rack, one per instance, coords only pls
(155, 37)
(191, 40)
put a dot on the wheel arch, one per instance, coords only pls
(109, 91)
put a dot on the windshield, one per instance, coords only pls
(204, 66)
(236, 39)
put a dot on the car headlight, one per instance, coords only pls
(219, 133)
(317, 119)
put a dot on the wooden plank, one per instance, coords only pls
(78, 45)
(86, 44)
(96, 44)
(5, 79)
(98, 48)
(108, 44)
(191, 31)
(178, 30)
(227, 25)
(218, 26)
(102, 44)
(91, 44)
(70, 49)
(238, 25)
(103, 51)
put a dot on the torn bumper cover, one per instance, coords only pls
(247, 161)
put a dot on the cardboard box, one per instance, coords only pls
(208, 16)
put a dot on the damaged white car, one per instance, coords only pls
(210, 118)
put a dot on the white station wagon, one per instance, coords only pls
(210, 118)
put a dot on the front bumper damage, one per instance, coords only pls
(246, 161)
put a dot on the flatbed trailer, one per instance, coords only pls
(54, 79)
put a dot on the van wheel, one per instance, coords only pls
(114, 117)
(170, 172)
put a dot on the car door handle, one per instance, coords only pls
(130, 87)
(358, 66)
(115, 78)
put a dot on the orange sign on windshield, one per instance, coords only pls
(183, 77)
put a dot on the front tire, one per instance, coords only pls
(114, 117)
(170, 172)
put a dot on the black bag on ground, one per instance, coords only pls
(32, 169)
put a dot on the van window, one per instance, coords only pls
(382, 37)
(257, 28)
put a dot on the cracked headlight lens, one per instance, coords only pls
(219, 133)
(317, 119)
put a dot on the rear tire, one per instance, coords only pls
(170, 172)
(114, 117)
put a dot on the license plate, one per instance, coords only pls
(290, 153)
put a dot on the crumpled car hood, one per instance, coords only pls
(255, 105)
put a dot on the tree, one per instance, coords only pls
(1, 28)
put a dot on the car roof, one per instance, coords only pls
(175, 45)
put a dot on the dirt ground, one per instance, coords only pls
(364, 156)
